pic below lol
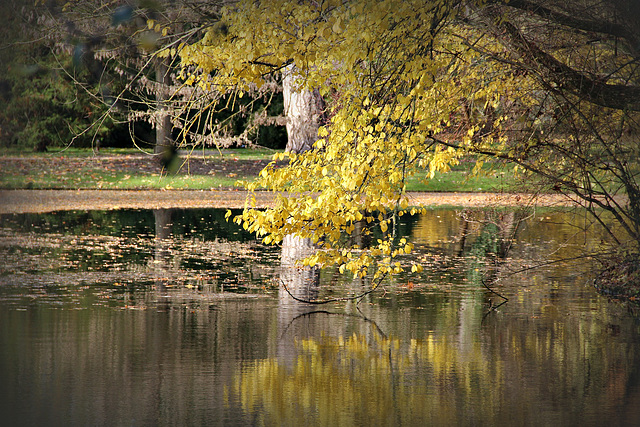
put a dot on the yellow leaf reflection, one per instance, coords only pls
(359, 380)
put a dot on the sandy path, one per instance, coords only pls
(39, 201)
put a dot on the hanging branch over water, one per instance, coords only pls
(342, 299)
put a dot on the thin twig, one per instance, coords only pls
(356, 297)
(492, 291)
(546, 263)
(362, 316)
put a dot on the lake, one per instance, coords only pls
(176, 317)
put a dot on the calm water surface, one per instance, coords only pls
(179, 318)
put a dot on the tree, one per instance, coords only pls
(115, 59)
(417, 85)
(360, 131)
(41, 105)
(113, 46)
(580, 136)
(584, 138)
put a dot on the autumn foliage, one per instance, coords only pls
(410, 86)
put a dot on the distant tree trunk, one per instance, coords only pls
(164, 148)
(304, 110)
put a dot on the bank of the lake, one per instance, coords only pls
(40, 201)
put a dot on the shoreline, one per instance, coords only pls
(43, 201)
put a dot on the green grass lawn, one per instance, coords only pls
(239, 153)
(236, 153)
(70, 169)
(115, 181)
(498, 178)
(71, 152)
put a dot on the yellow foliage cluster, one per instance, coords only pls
(396, 74)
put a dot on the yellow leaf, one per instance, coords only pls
(336, 26)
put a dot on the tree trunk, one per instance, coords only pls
(164, 148)
(304, 110)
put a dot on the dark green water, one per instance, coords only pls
(179, 318)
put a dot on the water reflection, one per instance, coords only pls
(173, 317)
(129, 253)
(297, 281)
(551, 370)
(162, 253)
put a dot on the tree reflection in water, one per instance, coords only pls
(162, 246)
(296, 280)
(297, 283)
(502, 376)
(492, 235)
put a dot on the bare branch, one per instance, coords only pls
(562, 76)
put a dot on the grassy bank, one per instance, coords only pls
(132, 169)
